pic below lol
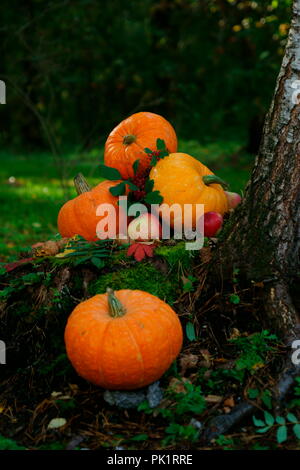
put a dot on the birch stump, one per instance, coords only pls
(262, 237)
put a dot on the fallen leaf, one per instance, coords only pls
(188, 361)
(141, 250)
(229, 402)
(213, 399)
(206, 355)
(64, 253)
(177, 385)
(235, 334)
(57, 423)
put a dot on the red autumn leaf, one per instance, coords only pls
(140, 251)
(149, 249)
(131, 249)
(11, 266)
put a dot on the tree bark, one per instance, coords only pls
(262, 237)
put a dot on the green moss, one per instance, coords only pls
(176, 254)
(9, 444)
(143, 276)
(53, 446)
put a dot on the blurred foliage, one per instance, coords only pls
(74, 69)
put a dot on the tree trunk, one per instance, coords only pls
(262, 237)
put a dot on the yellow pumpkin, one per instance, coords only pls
(182, 179)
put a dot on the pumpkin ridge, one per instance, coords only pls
(142, 362)
(100, 367)
(79, 216)
(162, 318)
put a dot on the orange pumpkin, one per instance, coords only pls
(123, 340)
(181, 179)
(78, 216)
(126, 143)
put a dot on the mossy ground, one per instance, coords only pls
(39, 384)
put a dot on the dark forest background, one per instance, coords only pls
(74, 69)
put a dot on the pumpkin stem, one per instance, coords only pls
(214, 179)
(81, 184)
(116, 309)
(129, 139)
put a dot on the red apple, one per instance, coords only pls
(144, 228)
(212, 223)
(233, 199)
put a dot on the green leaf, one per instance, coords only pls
(135, 166)
(160, 144)
(153, 160)
(262, 430)
(140, 437)
(110, 173)
(2, 271)
(97, 262)
(132, 186)
(149, 186)
(269, 418)
(281, 434)
(118, 190)
(190, 331)
(163, 153)
(253, 393)
(267, 399)
(258, 422)
(234, 299)
(77, 253)
(154, 198)
(81, 260)
(296, 430)
(100, 254)
(292, 418)
(188, 286)
(148, 151)
(280, 420)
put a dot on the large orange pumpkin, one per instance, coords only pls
(78, 216)
(126, 143)
(123, 340)
(181, 179)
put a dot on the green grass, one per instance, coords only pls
(29, 209)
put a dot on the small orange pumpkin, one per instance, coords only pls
(126, 143)
(78, 216)
(181, 179)
(123, 340)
